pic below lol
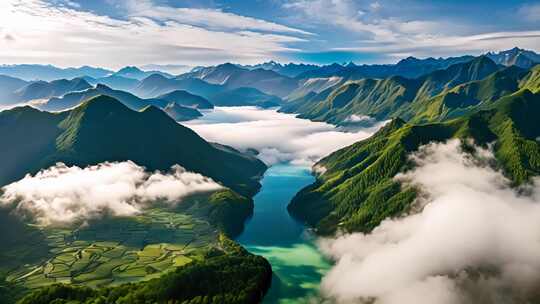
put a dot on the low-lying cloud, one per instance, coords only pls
(277, 136)
(62, 194)
(474, 240)
(359, 118)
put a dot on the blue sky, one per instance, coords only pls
(113, 33)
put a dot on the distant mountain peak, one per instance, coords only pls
(129, 69)
(102, 87)
(515, 56)
(155, 77)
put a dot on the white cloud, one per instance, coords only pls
(350, 15)
(67, 36)
(444, 45)
(476, 240)
(359, 118)
(375, 5)
(278, 137)
(208, 18)
(62, 195)
(376, 32)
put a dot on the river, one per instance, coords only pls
(297, 264)
(289, 146)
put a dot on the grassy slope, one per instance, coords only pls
(357, 191)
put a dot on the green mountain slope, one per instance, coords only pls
(357, 191)
(103, 129)
(466, 97)
(532, 80)
(388, 97)
(176, 111)
(74, 99)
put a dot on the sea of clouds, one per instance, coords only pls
(474, 240)
(277, 136)
(63, 195)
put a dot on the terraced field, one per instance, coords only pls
(117, 250)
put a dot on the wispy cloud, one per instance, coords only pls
(531, 12)
(65, 35)
(206, 17)
(372, 30)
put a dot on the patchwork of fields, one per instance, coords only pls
(116, 250)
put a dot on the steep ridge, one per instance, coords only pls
(43, 89)
(74, 99)
(288, 69)
(180, 113)
(409, 68)
(137, 74)
(389, 97)
(8, 85)
(187, 99)
(357, 190)
(516, 56)
(103, 129)
(468, 96)
(115, 82)
(231, 76)
(156, 85)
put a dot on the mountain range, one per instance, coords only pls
(173, 104)
(232, 76)
(32, 72)
(434, 96)
(516, 56)
(288, 69)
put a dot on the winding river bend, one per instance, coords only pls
(290, 145)
(297, 264)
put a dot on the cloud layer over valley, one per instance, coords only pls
(278, 137)
(475, 240)
(62, 195)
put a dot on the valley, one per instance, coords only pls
(263, 183)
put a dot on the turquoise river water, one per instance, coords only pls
(297, 264)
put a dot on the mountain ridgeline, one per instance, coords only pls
(357, 189)
(489, 102)
(437, 96)
(103, 129)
